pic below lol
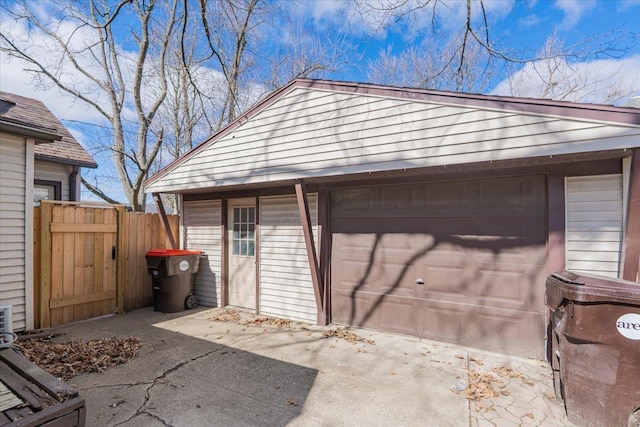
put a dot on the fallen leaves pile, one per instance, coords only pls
(226, 316)
(69, 359)
(234, 316)
(481, 386)
(273, 321)
(505, 372)
(485, 385)
(346, 335)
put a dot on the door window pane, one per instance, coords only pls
(244, 231)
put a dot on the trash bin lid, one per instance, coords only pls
(171, 252)
(590, 288)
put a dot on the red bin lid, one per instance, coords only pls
(171, 252)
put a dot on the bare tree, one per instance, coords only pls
(564, 78)
(257, 46)
(125, 85)
(433, 66)
(470, 58)
(306, 52)
(466, 44)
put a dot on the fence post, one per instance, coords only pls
(45, 262)
(121, 255)
(37, 266)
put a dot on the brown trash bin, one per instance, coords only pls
(172, 275)
(594, 348)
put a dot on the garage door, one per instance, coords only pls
(462, 261)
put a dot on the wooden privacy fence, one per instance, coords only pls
(89, 260)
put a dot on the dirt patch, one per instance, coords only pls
(346, 335)
(69, 359)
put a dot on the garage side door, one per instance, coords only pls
(463, 261)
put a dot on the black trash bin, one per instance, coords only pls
(172, 273)
(594, 348)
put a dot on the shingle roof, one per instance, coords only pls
(30, 112)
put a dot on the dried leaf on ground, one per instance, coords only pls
(272, 321)
(505, 372)
(481, 386)
(476, 361)
(346, 335)
(69, 359)
(227, 316)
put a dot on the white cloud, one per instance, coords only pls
(608, 81)
(624, 5)
(529, 21)
(375, 17)
(573, 10)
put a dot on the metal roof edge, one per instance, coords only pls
(42, 135)
(60, 160)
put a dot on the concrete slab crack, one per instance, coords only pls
(112, 386)
(160, 379)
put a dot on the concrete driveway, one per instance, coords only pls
(193, 370)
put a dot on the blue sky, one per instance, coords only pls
(521, 24)
(516, 25)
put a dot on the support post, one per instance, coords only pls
(631, 265)
(165, 221)
(316, 278)
(224, 254)
(556, 212)
(45, 266)
(324, 234)
(122, 280)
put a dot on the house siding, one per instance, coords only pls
(58, 172)
(594, 224)
(13, 219)
(202, 231)
(313, 133)
(286, 288)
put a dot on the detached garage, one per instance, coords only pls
(427, 213)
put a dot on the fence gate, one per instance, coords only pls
(78, 264)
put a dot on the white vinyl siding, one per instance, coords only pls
(57, 172)
(202, 231)
(594, 224)
(313, 133)
(286, 289)
(13, 219)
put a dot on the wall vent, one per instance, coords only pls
(5, 318)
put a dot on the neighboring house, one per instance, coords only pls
(428, 213)
(39, 159)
